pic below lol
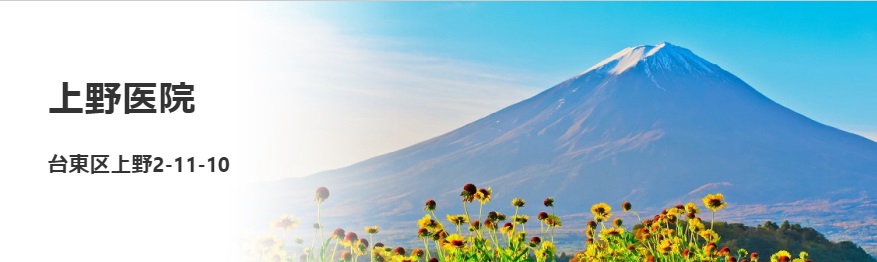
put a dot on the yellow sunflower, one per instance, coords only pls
(507, 228)
(552, 221)
(483, 195)
(520, 219)
(612, 231)
(454, 242)
(783, 255)
(696, 224)
(709, 235)
(548, 247)
(517, 202)
(458, 219)
(286, 223)
(691, 208)
(601, 211)
(428, 223)
(714, 202)
(666, 246)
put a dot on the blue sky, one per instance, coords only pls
(357, 80)
(816, 58)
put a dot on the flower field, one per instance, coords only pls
(680, 233)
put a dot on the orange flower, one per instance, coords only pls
(468, 193)
(548, 202)
(322, 194)
(430, 205)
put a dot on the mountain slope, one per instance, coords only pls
(654, 125)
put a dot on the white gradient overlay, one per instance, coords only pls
(278, 93)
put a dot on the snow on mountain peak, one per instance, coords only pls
(661, 56)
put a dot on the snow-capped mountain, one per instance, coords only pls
(653, 125)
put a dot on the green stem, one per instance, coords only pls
(466, 209)
(371, 256)
(285, 236)
(438, 249)
(334, 249)
(313, 244)
(495, 239)
(426, 248)
(713, 221)
(552, 227)
(480, 229)
(541, 229)
(552, 233)
(320, 229)
(637, 217)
